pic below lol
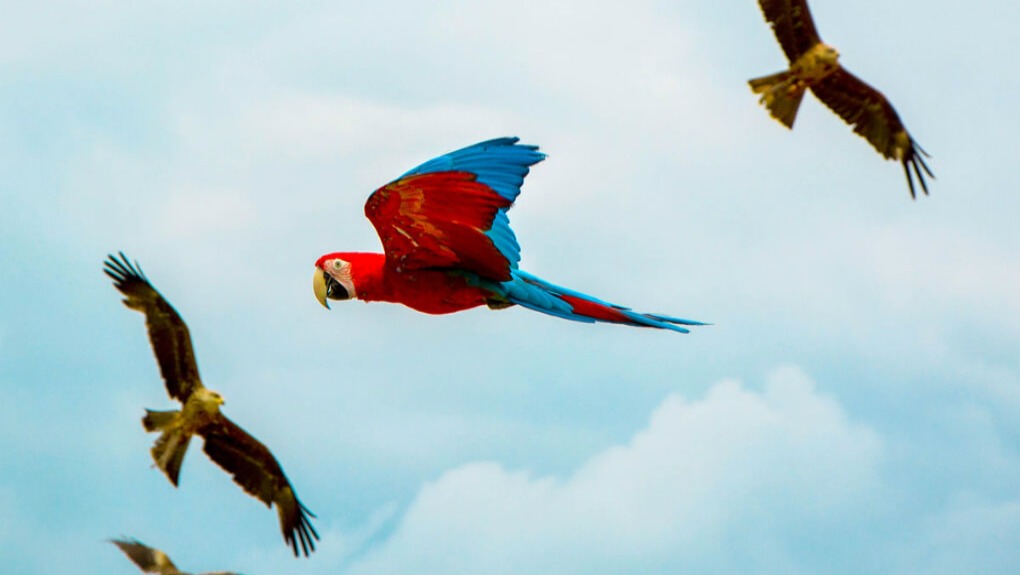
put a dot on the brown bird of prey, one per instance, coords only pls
(151, 560)
(815, 65)
(249, 461)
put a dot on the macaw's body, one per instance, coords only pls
(449, 247)
(426, 290)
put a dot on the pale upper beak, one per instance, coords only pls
(319, 287)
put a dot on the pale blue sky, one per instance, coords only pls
(855, 407)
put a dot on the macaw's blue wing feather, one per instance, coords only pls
(450, 212)
(504, 239)
(537, 294)
(500, 163)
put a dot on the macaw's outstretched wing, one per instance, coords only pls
(450, 212)
(257, 472)
(871, 115)
(148, 559)
(168, 333)
(792, 24)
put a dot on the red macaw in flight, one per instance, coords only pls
(449, 247)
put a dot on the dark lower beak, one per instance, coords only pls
(325, 287)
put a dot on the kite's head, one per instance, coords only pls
(827, 55)
(334, 277)
(209, 399)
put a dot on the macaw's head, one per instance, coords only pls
(334, 277)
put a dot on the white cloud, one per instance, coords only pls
(733, 474)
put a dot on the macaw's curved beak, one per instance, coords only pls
(319, 286)
(327, 288)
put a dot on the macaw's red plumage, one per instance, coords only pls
(448, 245)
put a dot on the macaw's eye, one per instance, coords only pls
(338, 264)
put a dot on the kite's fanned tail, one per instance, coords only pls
(158, 420)
(169, 449)
(781, 94)
(537, 294)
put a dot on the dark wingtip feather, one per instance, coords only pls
(910, 180)
(915, 160)
(122, 271)
(303, 533)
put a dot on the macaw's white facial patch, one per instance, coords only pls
(339, 282)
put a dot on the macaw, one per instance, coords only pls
(449, 247)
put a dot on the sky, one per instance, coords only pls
(853, 408)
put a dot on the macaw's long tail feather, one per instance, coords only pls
(169, 449)
(781, 94)
(537, 294)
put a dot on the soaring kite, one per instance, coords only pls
(151, 560)
(250, 463)
(815, 65)
(449, 247)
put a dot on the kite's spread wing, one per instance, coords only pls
(871, 115)
(792, 24)
(168, 333)
(148, 559)
(259, 473)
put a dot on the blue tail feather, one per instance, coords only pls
(502, 164)
(529, 291)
